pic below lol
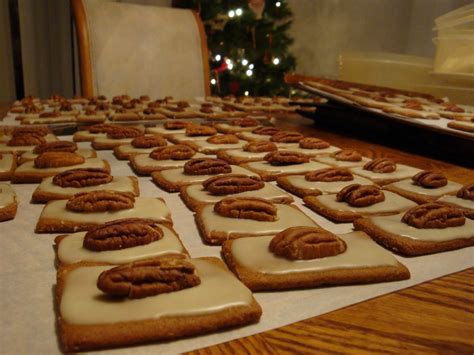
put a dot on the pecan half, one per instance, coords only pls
(247, 208)
(360, 195)
(260, 147)
(381, 165)
(223, 139)
(38, 130)
(121, 132)
(175, 125)
(200, 130)
(286, 158)
(266, 131)
(173, 152)
(149, 141)
(329, 175)
(304, 243)
(232, 184)
(182, 104)
(148, 277)
(313, 143)
(32, 108)
(206, 166)
(26, 139)
(466, 192)
(287, 137)
(82, 178)
(430, 179)
(434, 215)
(65, 107)
(122, 234)
(348, 155)
(245, 122)
(100, 201)
(57, 146)
(103, 128)
(58, 159)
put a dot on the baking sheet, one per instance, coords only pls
(28, 277)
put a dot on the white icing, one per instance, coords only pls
(130, 149)
(119, 183)
(299, 181)
(393, 224)
(206, 146)
(6, 162)
(456, 201)
(48, 120)
(160, 129)
(7, 195)
(392, 203)
(402, 172)
(144, 207)
(409, 186)
(225, 127)
(71, 250)
(29, 167)
(85, 135)
(182, 137)
(265, 167)
(86, 153)
(178, 177)
(239, 153)
(268, 192)
(144, 161)
(339, 163)
(254, 254)
(314, 152)
(83, 303)
(287, 216)
(111, 142)
(4, 148)
(249, 136)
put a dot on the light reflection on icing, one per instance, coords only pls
(182, 137)
(203, 145)
(254, 137)
(89, 163)
(314, 152)
(393, 224)
(70, 250)
(177, 176)
(402, 172)
(130, 149)
(119, 183)
(83, 303)
(160, 129)
(239, 153)
(7, 195)
(457, 201)
(392, 203)
(145, 207)
(144, 161)
(253, 253)
(339, 163)
(263, 166)
(408, 185)
(287, 216)
(299, 181)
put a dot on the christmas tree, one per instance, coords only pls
(248, 45)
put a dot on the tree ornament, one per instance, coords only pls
(257, 7)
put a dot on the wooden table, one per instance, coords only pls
(435, 316)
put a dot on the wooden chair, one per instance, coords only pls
(137, 50)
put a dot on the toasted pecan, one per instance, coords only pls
(82, 177)
(260, 147)
(101, 201)
(149, 277)
(200, 130)
(313, 143)
(280, 157)
(304, 243)
(329, 175)
(266, 130)
(206, 166)
(434, 215)
(58, 159)
(360, 195)
(56, 146)
(173, 152)
(381, 166)
(26, 140)
(348, 155)
(430, 179)
(122, 234)
(232, 184)
(466, 192)
(121, 132)
(38, 130)
(175, 125)
(287, 137)
(244, 122)
(247, 208)
(149, 141)
(223, 139)
(103, 128)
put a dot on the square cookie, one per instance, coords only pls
(86, 153)
(380, 178)
(219, 301)
(7, 165)
(362, 262)
(209, 147)
(8, 203)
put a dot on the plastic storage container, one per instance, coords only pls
(455, 52)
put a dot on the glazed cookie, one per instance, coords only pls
(139, 145)
(424, 229)
(169, 128)
(216, 188)
(205, 297)
(355, 201)
(384, 171)
(216, 143)
(463, 200)
(7, 165)
(85, 210)
(8, 203)
(251, 151)
(345, 158)
(303, 257)
(70, 182)
(244, 124)
(462, 126)
(233, 218)
(56, 146)
(117, 136)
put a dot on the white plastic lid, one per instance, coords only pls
(464, 21)
(387, 57)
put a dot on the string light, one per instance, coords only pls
(249, 72)
(245, 62)
(251, 66)
(230, 66)
(238, 12)
(246, 93)
(213, 81)
(228, 61)
(231, 13)
(278, 4)
(217, 57)
(276, 61)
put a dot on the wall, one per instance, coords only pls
(7, 80)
